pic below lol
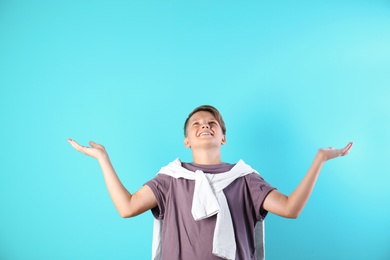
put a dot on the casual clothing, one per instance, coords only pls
(185, 238)
(208, 200)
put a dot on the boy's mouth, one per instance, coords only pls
(205, 134)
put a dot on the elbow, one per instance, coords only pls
(293, 214)
(126, 213)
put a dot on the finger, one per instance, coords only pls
(346, 149)
(77, 146)
(73, 143)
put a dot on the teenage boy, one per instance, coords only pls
(207, 209)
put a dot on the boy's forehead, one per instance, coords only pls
(201, 115)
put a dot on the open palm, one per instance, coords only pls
(95, 151)
(330, 153)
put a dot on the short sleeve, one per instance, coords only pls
(159, 186)
(259, 189)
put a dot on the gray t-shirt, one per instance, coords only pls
(187, 239)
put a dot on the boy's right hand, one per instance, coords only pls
(330, 153)
(96, 151)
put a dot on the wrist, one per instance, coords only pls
(103, 157)
(320, 157)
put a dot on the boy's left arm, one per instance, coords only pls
(291, 206)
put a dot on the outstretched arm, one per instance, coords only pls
(291, 206)
(127, 204)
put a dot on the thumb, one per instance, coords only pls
(93, 144)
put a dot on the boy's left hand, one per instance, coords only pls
(330, 153)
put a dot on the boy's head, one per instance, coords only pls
(209, 109)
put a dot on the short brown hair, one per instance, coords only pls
(211, 110)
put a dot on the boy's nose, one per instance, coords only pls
(205, 126)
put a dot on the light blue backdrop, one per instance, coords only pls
(288, 76)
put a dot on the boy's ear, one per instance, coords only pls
(187, 142)
(223, 140)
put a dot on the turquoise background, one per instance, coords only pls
(288, 76)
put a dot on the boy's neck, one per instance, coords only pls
(206, 157)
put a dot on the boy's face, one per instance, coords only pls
(203, 131)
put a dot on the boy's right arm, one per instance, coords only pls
(127, 204)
